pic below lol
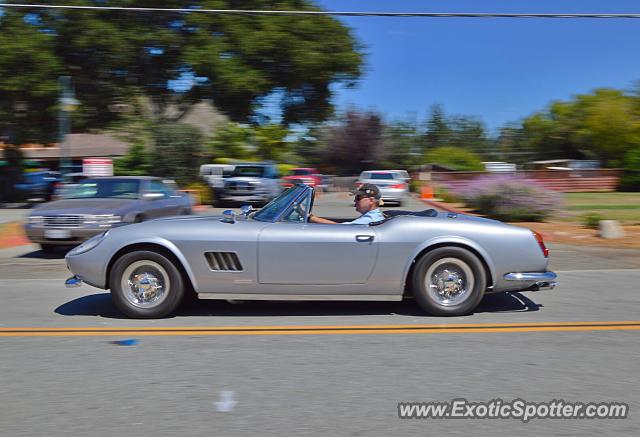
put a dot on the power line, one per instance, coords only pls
(331, 13)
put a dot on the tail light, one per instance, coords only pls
(540, 241)
(359, 184)
(399, 186)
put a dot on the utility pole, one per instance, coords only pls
(67, 103)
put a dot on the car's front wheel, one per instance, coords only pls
(146, 285)
(449, 281)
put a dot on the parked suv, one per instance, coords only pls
(251, 183)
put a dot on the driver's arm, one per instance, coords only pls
(316, 219)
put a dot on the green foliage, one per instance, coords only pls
(177, 152)
(232, 140)
(603, 125)
(285, 169)
(631, 179)
(592, 220)
(402, 144)
(454, 158)
(455, 131)
(203, 192)
(271, 141)
(137, 162)
(239, 61)
(29, 70)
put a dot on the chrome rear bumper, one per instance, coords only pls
(540, 279)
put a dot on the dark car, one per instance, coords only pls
(38, 185)
(98, 204)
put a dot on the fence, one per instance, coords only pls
(566, 181)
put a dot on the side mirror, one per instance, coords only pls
(152, 196)
(246, 210)
(228, 216)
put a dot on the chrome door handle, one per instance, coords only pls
(364, 238)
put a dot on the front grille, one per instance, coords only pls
(236, 187)
(65, 221)
(223, 261)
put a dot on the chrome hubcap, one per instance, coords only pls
(449, 281)
(145, 283)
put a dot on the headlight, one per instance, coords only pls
(35, 219)
(88, 245)
(102, 219)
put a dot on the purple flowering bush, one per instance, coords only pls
(510, 198)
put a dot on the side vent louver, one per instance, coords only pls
(223, 261)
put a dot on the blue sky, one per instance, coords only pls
(499, 70)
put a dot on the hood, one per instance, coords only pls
(83, 206)
(243, 179)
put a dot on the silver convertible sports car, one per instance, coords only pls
(447, 262)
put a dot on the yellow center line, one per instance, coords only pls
(319, 329)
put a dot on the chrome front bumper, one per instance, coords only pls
(73, 282)
(540, 279)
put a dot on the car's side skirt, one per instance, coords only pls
(259, 296)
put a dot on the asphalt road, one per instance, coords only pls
(321, 383)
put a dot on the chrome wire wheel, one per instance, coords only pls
(449, 281)
(145, 283)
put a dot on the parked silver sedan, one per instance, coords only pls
(447, 262)
(97, 204)
(393, 184)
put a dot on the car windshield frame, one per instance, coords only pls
(252, 171)
(75, 191)
(273, 210)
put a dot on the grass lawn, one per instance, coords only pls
(624, 207)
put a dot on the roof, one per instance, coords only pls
(78, 146)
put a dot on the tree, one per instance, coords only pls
(602, 125)
(29, 69)
(271, 141)
(454, 158)
(402, 145)
(232, 140)
(177, 152)
(137, 162)
(237, 61)
(355, 144)
(455, 131)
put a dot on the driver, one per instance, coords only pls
(367, 202)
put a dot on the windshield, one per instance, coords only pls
(105, 188)
(255, 171)
(274, 208)
(381, 176)
(301, 172)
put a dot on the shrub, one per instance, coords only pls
(510, 198)
(202, 190)
(592, 220)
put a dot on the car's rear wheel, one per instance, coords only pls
(449, 281)
(146, 285)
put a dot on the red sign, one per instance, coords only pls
(97, 166)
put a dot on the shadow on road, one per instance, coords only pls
(101, 305)
(58, 253)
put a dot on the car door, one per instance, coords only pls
(293, 251)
